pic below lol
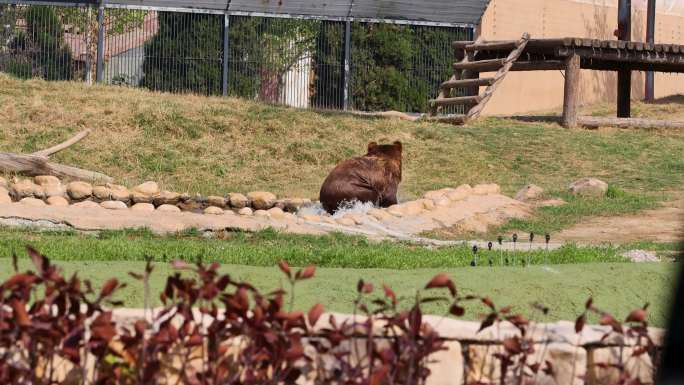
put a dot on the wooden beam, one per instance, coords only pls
(459, 100)
(479, 82)
(571, 92)
(546, 65)
(480, 66)
(461, 44)
(503, 45)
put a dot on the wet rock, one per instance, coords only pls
(238, 200)
(57, 201)
(246, 211)
(168, 208)
(79, 190)
(262, 200)
(119, 193)
(358, 219)
(487, 189)
(114, 205)
(380, 215)
(216, 201)
(145, 207)
(86, 205)
(529, 193)
(460, 193)
(293, 205)
(213, 210)
(166, 198)
(312, 218)
(589, 187)
(46, 180)
(407, 209)
(32, 202)
(261, 213)
(345, 221)
(276, 213)
(102, 193)
(190, 205)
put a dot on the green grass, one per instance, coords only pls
(616, 288)
(266, 248)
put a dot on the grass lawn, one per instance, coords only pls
(616, 287)
(266, 248)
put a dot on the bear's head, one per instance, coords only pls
(389, 154)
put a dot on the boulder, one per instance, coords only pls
(86, 205)
(442, 202)
(408, 209)
(289, 217)
(261, 213)
(46, 180)
(216, 201)
(145, 207)
(460, 193)
(213, 210)
(487, 189)
(261, 200)
(428, 204)
(138, 197)
(58, 201)
(79, 190)
(168, 208)
(589, 187)
(245, 211)
(119, 193)
(529, 193)
(312, 218)
(28, 201)
(437, 194)
(148, 188)
(102, 193)
(114, 205)
(292, 205)
(238, 200)
(5, 198)
(23, 189)
(54, 190)
(166, 198)
(276, 213)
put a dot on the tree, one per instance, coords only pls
(45, 36)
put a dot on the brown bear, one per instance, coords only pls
(374, 177)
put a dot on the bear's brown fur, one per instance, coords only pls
(374, 177)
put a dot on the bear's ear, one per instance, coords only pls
(397, 145)
(371, 146)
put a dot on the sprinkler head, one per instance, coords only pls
(548, 237)
(506, 261)
(491, 263)
(472, 263)
(515, 237)
(500, 239)
(474, 249)
(489, 246)
(531, 237)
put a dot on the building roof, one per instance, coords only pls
(453, 12)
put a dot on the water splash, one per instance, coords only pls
(353, 207)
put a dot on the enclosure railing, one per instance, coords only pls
(306, 62)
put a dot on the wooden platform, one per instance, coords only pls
(567, 54)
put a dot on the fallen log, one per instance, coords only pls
(39, 164)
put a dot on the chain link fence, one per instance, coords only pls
(298, 62)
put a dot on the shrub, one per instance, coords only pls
(45, 39)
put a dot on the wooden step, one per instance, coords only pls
(461, 44)
(481, 66)
(463, 83)
(459, 100)
(503, 45)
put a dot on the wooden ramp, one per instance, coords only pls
(467, 77)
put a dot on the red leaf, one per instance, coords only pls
(415, 319)
(639, 351)
(137, 276)
(512, 345)
(295, 352)
(364, 287)
(456, 310)
(548, 369)
(315, 313)
(25, 279)
(489, 321)
(20, 315)
(389, 293)
(589, 303)
(109, 288)
(442, 280)
(579, 323)
(39, 261)
(638, 315)
(307, 273)
(505, 310)
(488, 301)
(608, 320)
(379, 375)
(285, 268)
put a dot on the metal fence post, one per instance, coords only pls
(347, 58)
(100, 43)
(226, 53)
(650, 38)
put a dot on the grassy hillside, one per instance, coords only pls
(617, 288)
(217, 145)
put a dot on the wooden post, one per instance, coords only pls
(571, 92)
(99, 67)
(624, 86)
(650, 38)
